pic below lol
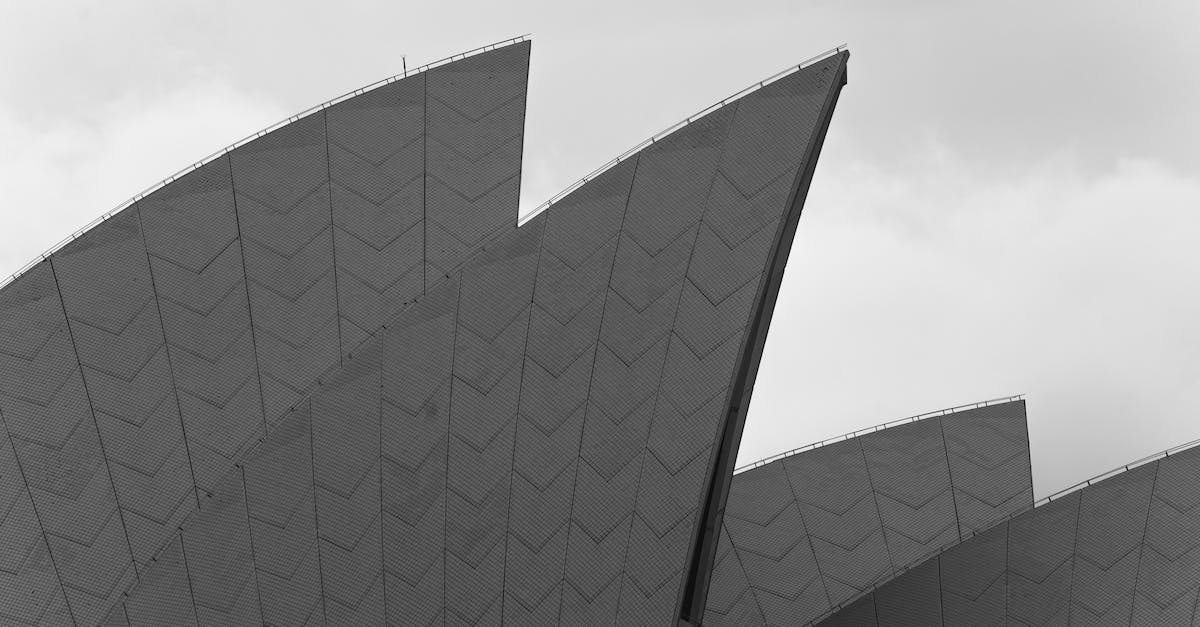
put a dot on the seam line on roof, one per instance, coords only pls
(379, 462)
(250, 532)
(95, 425)
(807, 536)
(1142, 545)
(449, 435)
(950, 478)
(878, 512)
(941, 584)
(591, 377)
(658, 391)
(425, 187)
(337, 300)
(737, 556)
(312, 465)
(188, 573)
(1007, 554)
(262, 401)
(517, 421)
(187, 449)
(38, 516)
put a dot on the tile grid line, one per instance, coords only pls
(749, 586)
(591, 378)
(449, 435)
(807, 536)
(262, 401)
(37, 515)
(96, 425)
(187, 571)
(425, 185)
(950, 478)
(1074, 557)
(645, 448)
(337, 300)
(517, 419)
(1007, 567)
(520, 377)
(312, 465)
(250, 532)
(170, 364)
(1142, 545)
(379, 461)
(878, 511)
(941, 590)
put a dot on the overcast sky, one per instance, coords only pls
(1008, 200)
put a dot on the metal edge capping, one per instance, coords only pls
(693, 592)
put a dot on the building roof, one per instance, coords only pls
(234, 402)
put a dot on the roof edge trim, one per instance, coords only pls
(76, 234)
(546, 204)
(879, 427)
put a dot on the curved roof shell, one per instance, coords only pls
(210, 422)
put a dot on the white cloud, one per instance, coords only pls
(937, 285)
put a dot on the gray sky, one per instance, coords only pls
(1008, 200)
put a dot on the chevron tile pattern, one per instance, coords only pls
(989, 461)
(281, 188)
(734, 602)
(1168, 574)
(33, 595)
(1041, 563)
(118, 336)
(1112, 523)
(577, 256)
(473, 140)
(489, 345)
(417, 360)
(1113, 553)
(191, 233)
(346, 420)
(376, 171)
(761, 505)
(58, 449)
